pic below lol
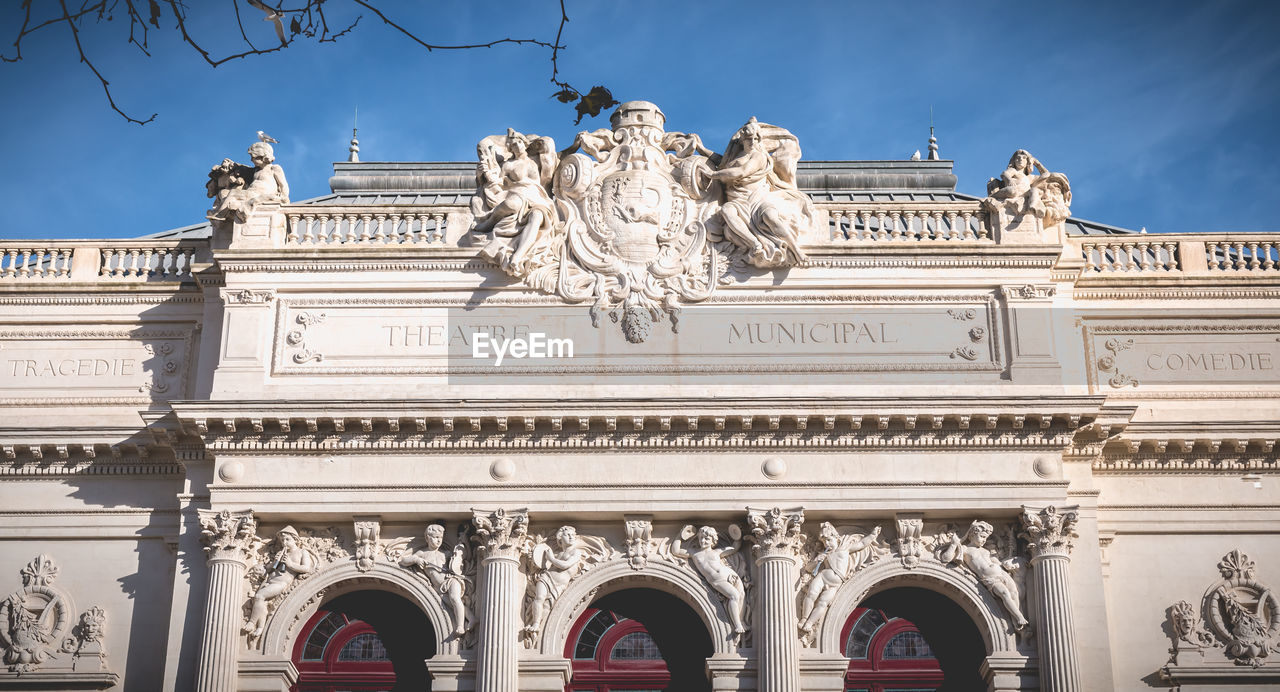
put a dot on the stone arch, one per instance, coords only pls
(985, 611)
(618, 575)
(341, 578)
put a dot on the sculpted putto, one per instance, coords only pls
(444, 569)
(289, 563)
(840, 557)
(554, 563)
(711, 562)
(971, 551)
(235, 189)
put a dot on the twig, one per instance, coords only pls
(75, 34)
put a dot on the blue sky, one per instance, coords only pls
(1162, 113)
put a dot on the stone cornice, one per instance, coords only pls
(814, 424)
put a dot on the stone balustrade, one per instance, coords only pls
(105, 260)
(918, 222)
(1218, 254)
(383, 225)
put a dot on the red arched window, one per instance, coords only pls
(336, 652)
(887, 654)
(610, 652)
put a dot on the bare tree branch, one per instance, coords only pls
(106, 86)
(308, 20)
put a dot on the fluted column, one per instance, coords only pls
(1049, 535)
(228, 537)
(499, 535)
(777, 544)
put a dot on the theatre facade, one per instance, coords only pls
(641, 412)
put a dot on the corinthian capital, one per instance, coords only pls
(228, 535)
(777, 531)
(500, 533)
(1049, 531)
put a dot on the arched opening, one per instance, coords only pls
(364, 641)
(638, 639)
(912, 639)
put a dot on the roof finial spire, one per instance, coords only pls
(354, 149)
(933, 141)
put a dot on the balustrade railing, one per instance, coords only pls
(889, 222)
(1122, 254)
(385, 225)
(1219, 254)
(106, 260)
(34, 263)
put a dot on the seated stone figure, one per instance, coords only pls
(764, 212)
(512, 199)
(1027, 188)
(236, 189)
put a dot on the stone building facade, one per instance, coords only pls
(791, 425)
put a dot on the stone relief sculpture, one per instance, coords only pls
(1026, 189)
(292, 556)
(85, 641)
(764, 212)
(831, 562)
(910, 544)
(513, 199)
(712, 560)
(640, 543)
(970, 551)
(36, 623)
(445, 569)
(552, 565)
(290, 562)
(236, 189)
(366, 544)
(1241, 616)
(636, 220)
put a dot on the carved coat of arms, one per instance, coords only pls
(637, 220)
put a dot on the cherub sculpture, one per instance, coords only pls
(290, 562)
(554, 563)
(1027, 187)
(764, 212)
(513, 198)
(444, 569)
(839, 558)
(711, 562)
(971, 551)
(233, 199)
